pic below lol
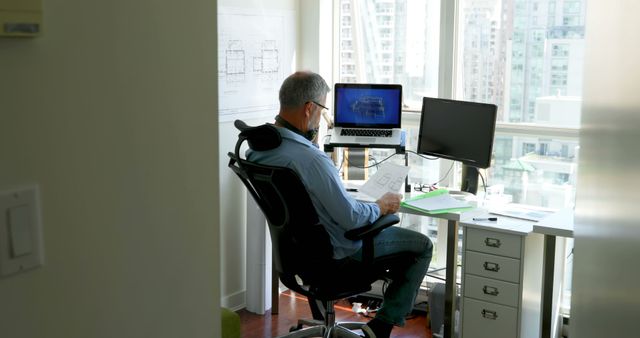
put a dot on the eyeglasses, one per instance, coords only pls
(319, 105)
(425, 187)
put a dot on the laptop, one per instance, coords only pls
(367, 114)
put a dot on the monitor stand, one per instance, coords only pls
(469, 179)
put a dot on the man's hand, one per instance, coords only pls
(389, 203)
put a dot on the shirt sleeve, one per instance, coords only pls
(328, 193)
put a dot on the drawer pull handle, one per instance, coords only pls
(490, 290)
(489, 314)
(495, 267)
(492, 242)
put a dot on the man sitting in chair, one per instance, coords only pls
(302, 98)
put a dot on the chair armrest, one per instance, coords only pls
(372, 229)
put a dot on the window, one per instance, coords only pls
(528, 148)
(560, 50)
(525, 56)
(535, 49)
(347, 45)
(404, 31)
(346, 21)
(559, 65)
(544, 148)
(571, 20)
(572, 7)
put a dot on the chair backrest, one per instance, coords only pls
(301, 246)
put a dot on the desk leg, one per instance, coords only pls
(547, 285)
(275, 290)
(450, 292)
(407, 187)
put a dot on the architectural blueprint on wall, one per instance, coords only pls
(255, 53)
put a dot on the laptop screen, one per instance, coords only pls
(362, 105)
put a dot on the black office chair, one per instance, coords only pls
(302, 250)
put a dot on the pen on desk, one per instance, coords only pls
(352, 190)
(492, 219)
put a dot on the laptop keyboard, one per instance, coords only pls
(366, 132)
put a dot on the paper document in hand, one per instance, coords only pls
(436, 201)
(389, 178)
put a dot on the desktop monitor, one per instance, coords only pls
(460, 131)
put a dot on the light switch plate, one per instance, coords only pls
(20, 239)
(20, 230)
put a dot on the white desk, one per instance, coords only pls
(557, 224)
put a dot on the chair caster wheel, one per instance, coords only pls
(295, 328)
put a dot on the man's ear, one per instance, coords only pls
(308, 107)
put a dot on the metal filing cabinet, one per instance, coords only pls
(500, 265)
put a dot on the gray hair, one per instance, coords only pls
(302, 87)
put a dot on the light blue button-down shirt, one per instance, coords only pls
(337, 210)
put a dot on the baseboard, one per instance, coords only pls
(235, 301)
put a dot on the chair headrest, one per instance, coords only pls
(263, 137)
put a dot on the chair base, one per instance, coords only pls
(339, 330)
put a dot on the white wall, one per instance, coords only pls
(232, 192)
(313, 37)
(113, 113)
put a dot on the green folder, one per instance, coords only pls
(434, 193)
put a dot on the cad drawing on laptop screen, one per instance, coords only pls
(368, 105)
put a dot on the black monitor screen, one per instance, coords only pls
(457, 130)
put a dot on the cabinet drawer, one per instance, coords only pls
(483, 319)
(492, 266)
(491, 290)
(492, 242)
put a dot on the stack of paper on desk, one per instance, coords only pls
(522, 211)
(437, 201)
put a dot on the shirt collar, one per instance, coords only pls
(288, 134)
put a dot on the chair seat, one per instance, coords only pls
(342, 289)
(349, 277)
(333, 283)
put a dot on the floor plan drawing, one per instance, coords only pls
(267, 62)
(234, 61)
(253, 48)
